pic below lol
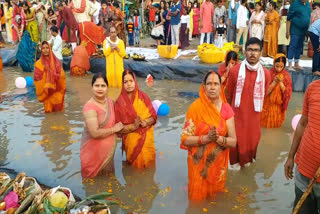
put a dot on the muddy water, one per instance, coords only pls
(47, 147)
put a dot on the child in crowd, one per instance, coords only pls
(130, 29)
(184, 28)
(221, 33)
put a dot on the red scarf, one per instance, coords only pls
(52, 66)
(126, 114)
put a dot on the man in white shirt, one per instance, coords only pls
(97, 7)
(242, 23)
(56, 42)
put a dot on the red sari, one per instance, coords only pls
(276, 103)
(139, 145)
(247, 120)
(196, 21)
(96, 155)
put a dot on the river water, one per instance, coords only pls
(47, 146)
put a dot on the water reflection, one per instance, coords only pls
(56, 133)
(48, 147)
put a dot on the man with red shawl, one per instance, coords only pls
(247, 86)
(49, 80)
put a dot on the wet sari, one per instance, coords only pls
(207, 164)
(96, 154)
(276, 103)
(92, 34)
(26, 54)
(138, 145)
(80, 63)
(50, 83)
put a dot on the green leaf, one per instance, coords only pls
(100, 196)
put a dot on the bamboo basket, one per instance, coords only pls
(168, 51)
(4, 181)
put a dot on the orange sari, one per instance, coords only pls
(276, 103)
(96, 155)
(207, 164)
(138, 145)
(50, 82)
(80, 61)
(92, 34)
(270, 39)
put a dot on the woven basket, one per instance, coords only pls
(168, 51)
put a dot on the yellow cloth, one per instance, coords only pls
(282, 39)
(191, 22)
(8, 16)
(32, 26)
(114, 62)
(148, 153)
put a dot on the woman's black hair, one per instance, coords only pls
(127, 71)
(9, 3)
(274, 5)
(259, 3)
(25, 3)
(50, 11)
(116, 4)
(254, 40)
(232, 55)
(208, 74)
(281, 59)
(97, 76)
(164, 3)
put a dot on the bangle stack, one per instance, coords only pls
(224, 143)
(200, 140)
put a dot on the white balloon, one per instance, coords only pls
(156, 104)
(21, 82)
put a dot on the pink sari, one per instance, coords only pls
(96, 155)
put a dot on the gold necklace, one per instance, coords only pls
(101, 102)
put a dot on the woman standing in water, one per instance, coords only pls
(207, 134)
(49, 80)
(98, 139)
(278, 94)
(134, 109)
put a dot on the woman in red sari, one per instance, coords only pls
(98, 139)
(278, 94)
(208, 134)
(231, 60)
(134, 109)
(49, 80)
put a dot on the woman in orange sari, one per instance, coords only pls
(134, 109)
(98, 139)
(80, 63)
(278, 95)
(231, 60)
(49, 80)
(208, 134)
(270, 39)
